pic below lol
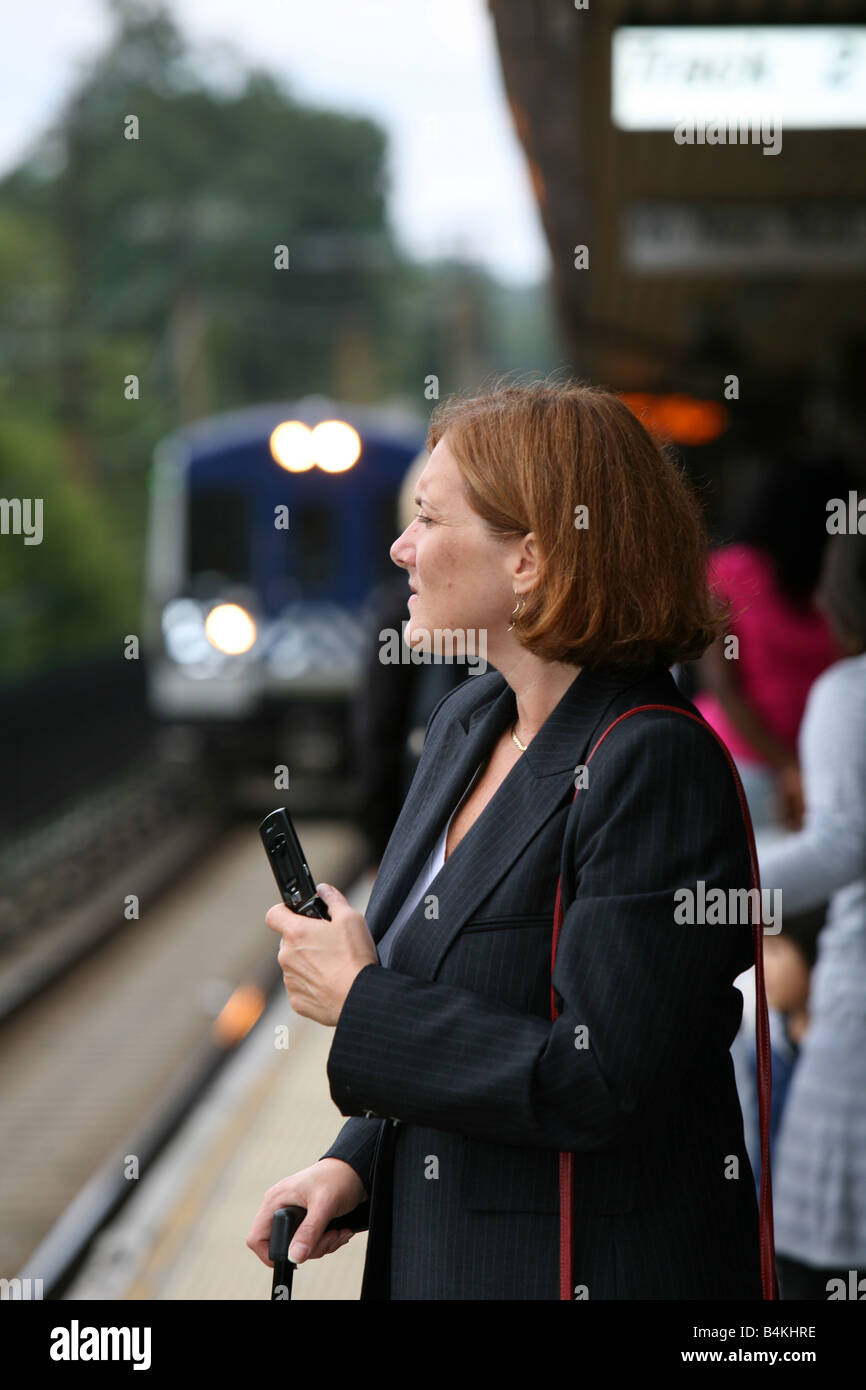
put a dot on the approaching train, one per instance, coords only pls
(268, 529)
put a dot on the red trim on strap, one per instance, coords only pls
(566, 1160)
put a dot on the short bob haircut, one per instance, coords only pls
(625, 582)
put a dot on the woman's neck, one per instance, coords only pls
(538, 688)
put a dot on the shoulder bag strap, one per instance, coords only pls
(566, 1160)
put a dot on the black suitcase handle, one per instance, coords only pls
(284, 1224)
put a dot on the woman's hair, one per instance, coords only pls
(841, 591)
(626, 580)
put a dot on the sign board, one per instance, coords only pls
(808, 77)
(749, 238)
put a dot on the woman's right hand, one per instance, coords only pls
(326, 1189)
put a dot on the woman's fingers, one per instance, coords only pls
(320, 1190)
(331, 1241)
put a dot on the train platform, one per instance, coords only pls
(182, 1234)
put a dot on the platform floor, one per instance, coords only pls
(182, 1236)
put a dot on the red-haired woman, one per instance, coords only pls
(550, 522)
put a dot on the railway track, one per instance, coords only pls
(66, 879)
(97, 1070)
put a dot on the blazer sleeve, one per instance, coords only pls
(641, 994)
(355, 1145)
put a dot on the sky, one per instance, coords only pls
(426, 70)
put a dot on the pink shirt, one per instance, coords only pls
(783, 649)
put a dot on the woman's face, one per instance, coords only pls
(460, 573)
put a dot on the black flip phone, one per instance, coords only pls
(294, 880)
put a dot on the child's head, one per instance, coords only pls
(788, 959)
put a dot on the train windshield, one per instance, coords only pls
(314, 547)
(218, 534)
(387, 529)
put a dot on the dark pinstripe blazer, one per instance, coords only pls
(453, 1040)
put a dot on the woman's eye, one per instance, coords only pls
(421, 517)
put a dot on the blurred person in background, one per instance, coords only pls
(820, 1164)
(789, 956)
(394, 702)
(768, 571)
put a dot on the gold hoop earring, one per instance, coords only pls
(518, 608)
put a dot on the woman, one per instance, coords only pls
(820, 1164)
(550, 522)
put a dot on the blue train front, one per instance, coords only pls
(269, 528)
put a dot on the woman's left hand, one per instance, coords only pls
(320, 959)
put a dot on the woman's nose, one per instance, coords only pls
(398, 551)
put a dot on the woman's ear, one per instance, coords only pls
(527, 561)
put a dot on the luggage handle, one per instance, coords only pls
(284, 1224)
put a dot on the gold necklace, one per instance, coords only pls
(521, 746)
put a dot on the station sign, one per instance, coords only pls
(806, 76)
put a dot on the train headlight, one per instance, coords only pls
(292, 446)
(184, 634)
(230, 629)
(336, 446)
(333, 445)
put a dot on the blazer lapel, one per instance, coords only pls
(538, 784)
(431, 799)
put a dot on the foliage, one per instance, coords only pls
(73, 592)
(154, 257)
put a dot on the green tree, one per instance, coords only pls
(137, 239)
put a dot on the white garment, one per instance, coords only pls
(827, 858)
(429, 870)
(819, 1166)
